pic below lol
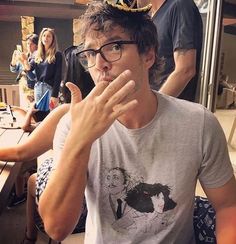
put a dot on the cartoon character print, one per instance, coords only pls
(153, 200)
(117, 183)
(137, 206)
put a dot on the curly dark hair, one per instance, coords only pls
(75, 73)
(139, 197)
(102, 17)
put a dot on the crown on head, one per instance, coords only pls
(128, 5)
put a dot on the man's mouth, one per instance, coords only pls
(105, 77)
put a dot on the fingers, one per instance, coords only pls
(107, 89)
(116, 85)
(115, 94)
(99, 88)
(122, 95)
(123, 108)
(76, 95)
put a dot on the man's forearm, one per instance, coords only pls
(185, 69)
(226, 225)
(63, 197)
(176, 82)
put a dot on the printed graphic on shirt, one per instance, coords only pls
(135, 205)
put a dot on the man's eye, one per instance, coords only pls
(90, 54)
(116, 47)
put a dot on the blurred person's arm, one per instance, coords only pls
(185, 63)
(28, 66)
(25, 62)
(14, 65)
(38, 142)
(29, 124)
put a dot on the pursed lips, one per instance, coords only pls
(104, 76)
(104, 79)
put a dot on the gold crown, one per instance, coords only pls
(128, 5)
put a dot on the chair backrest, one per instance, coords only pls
(10, 94)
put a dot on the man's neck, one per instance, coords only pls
(156, 4)
(143, 113)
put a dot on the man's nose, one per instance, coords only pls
(101, 63)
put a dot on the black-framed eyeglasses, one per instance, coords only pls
(111, 52)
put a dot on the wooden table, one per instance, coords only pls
(9, 170)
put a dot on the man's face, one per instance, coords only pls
(115, 181)
(130, 59)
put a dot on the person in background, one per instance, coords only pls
(75, 73)
(46, 67)
(37, 143)
(26, 84)
(123, 123)
(29, 121)
(30, 118)
(180, 31)
(36, 183)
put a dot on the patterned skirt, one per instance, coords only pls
(41, 182)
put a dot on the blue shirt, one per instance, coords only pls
(48, 73)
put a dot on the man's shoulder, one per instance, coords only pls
(172, 4)
(170, 8)
(180, 104)
(181, 111)
(180, 5)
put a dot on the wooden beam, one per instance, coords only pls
(81, 1)
(62, 11)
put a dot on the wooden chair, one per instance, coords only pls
(10, 94)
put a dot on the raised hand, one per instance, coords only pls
(91, 117)
(15, 57)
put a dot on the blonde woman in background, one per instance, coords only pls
(46, 68)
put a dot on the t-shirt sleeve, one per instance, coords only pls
(216, 168)
(62, 130)
(183, 26)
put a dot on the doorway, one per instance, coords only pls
(218, 77)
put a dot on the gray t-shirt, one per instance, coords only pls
(141, 182)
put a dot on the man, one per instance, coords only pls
(26, 84)
(156, 139)
(179, 28)
(116, 184)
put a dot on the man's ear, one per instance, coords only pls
(149, 58)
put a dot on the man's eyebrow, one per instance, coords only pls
(111, 39)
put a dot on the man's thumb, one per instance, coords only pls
(76, 95)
